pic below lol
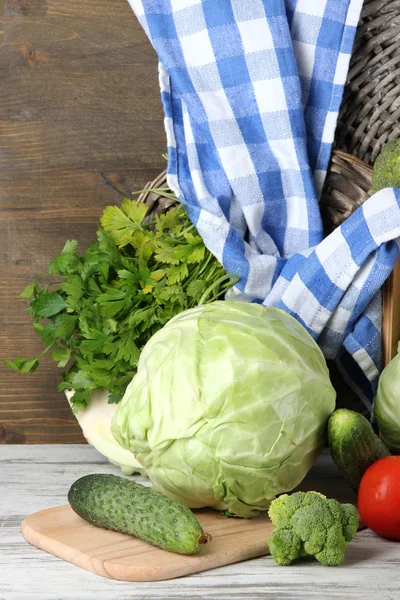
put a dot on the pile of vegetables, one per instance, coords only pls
(222, 404)
(364, 458)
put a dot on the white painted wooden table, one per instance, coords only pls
(33, 478)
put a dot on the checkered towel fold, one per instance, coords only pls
(251, 91)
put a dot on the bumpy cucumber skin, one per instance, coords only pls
(116, 503)
(353, 444)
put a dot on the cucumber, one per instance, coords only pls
(353, 444)
(116, 503)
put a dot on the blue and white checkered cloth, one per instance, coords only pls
(251, 91)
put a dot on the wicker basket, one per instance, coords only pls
(370, 111)
(369, 116)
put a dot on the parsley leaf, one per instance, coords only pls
(66, 261)
(62, 355)
(128, 349)
(65, 327)
(49, 304)
(80, 400)
(22, 365)
(196, 288)
(74, 288)
(177, 273)
(29, 290)
(94, 345)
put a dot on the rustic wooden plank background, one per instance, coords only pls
(80, 126)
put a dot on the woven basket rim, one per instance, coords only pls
(161, 178)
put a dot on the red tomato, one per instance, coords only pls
(379, 497)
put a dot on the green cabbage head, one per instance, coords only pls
(387, 404)
(228, 408)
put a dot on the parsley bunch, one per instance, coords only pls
(114, 297)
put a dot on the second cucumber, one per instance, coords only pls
(353, 444)
(116, 503)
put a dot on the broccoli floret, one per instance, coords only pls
(386, 171)
(308, 523)
(285, 545)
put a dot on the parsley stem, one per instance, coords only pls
(216, 284)
(46, 350)
(182, 233)
(209, 258)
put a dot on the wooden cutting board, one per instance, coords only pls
(120, 556)
(61, 532)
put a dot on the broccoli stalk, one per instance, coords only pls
(308, 523)
(386, 171)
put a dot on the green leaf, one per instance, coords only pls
(65, 384)
(46, 332)
(146, 281)
(182, 252)
(67, 261)
(177, 273)
(143, 316)
(104, 252)
(70, 247)
(111, 348)
(113, 301)
(131, 277)
(165, 254)
(111, 309)
(94, 345)
(74, 288)
(115, 397)
(173, 220)
(118, 225)
(197, 255)
(49, 304)
(196, 288)
(140, 238)
(111, 294)
(22, 365)
(115, 222)
(158, 275)
(80, 400)
(113, 325)
(28, 291)
(93, 287)
(174, 294)
(100, 363)
(167, 292)
(66, 327)
(128, 349)
(62, 355)
(102, 376)
(81, 380)
(135, 211)
(109, 253)
(193, 240)
(87, 318)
